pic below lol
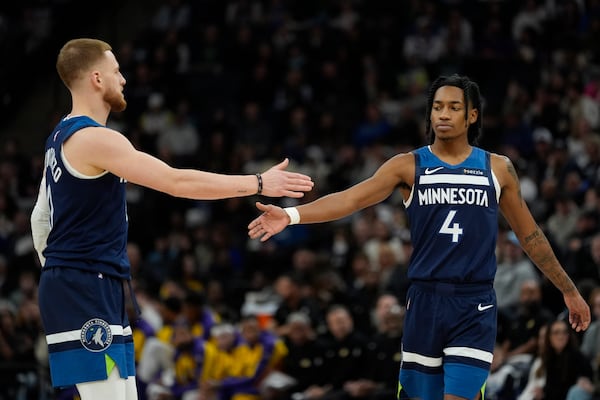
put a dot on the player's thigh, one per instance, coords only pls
(113, 388)
(69, 297)
(469, 351)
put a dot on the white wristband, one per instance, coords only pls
(293, 214)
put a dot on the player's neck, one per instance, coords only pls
(96, 110)
(451, 151)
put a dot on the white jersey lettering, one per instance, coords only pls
(51, 162)
(431, 196)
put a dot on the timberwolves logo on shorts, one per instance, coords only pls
(96, 335)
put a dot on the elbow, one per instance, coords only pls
(173, 190)
(173, 186)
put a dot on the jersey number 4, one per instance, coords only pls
(451, 228)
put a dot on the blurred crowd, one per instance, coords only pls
(337, 86)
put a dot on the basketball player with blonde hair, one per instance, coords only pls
(79, 223)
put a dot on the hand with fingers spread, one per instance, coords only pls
(272, 221)
(277, 182)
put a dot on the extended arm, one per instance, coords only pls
(94, 150)
(336, 205)
(535, 243)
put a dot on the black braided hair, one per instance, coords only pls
(471, 96)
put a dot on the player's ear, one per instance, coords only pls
(95, 78)
(473, 114)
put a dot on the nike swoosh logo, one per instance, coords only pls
(431, 171)
(483, 308)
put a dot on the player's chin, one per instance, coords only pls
(445, 136)
(119, 106)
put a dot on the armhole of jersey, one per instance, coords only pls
(497, 187)
(408, 201)
(73, 171)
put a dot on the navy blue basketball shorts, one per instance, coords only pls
(86, 326)
(448, 341)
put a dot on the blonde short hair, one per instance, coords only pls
(78, 56)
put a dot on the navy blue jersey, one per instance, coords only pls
(453, 214)
(88, 215)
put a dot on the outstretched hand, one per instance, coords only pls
(272, 221)
(579, 311)
(278, 182)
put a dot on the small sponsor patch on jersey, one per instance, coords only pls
(96, 335)
(473, 172)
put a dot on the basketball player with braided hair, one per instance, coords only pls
(452, 191)
(79, 224)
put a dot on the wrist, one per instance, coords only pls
(294, 215)
(260, 183)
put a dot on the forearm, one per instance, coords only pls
(201, 185)
(341, 204)
(538, 248)
(148, 171)
(327, 208)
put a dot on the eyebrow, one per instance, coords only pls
(451, 101)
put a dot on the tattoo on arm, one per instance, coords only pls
(538, 248)
(513, 174)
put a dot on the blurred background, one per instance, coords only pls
(337, 86)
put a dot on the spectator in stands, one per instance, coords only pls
(590, 345)
(384, 355)
(363, 290)
(536, 379)
(292, 300)
(586, 265)
(517, 337)
(180, 139)
(562, 221)
(154, 122)
(519, 324)
(514, 268)
(344, 358)
(305, 359)
(562, 362)
(258, 353)
(157, 354)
